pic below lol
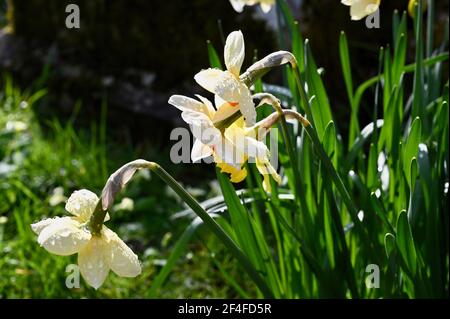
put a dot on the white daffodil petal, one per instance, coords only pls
(63, 236)
(255, 148)
(234, 52)
(82, 203)
(361, 8)
(226, 152)
(348, 2)
(93, 263)
(200, 151)
(222, 83)
(218, 101)
(39, 226)
(224, 111)
(266, 6)
(120, 257)
(202, 128)
(207, 105)
(242, 101)
(238, 5)
(184, 103)
(246, 106)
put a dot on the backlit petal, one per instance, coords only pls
(202, 128)
(246, 105)
(224, 111)
(234, 52)
(200, 151)
(82, 203)
(222, 83)
(184, 103)
(39, 226)
(64, 236)
(238, 5)
(92, 262)
(361, 8)
(119, 256)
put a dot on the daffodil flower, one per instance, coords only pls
(231, 148)
(253, 149)
(239, 5)
(97, 254)
(232, 93)
(361, 8)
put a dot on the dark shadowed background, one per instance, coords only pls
(137, 53)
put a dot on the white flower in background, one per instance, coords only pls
(361, 8)
(126, 204)
(239, 5)
(3, 220)
(97, 254)
(57, 196)
(231, 93)
(16, 126)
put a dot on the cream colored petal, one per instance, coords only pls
(234, 52)
(202, 128)
(226, 152)
(218, 101)
(266, 6)
(184, 103)
(224, 111)
(200, 151)
(82, 203)
(92, 260)
(244, 103)
(39, 226)
(363, 8)
(222, 83)
(266, 169)
(238, 5)
(244, 143)
(348, 2)
(119, 256)
(64, 236)
(255, 148)
(246, 106)
(207, 105)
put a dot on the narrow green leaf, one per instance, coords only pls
(320, 107)
(345, 64)
(405, 243)
(214, 59)
(411, 148)
(389, 244)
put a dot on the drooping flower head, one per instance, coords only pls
(97, 253)
(361, 8)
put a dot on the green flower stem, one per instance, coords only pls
(214, 226)
(99, 215)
